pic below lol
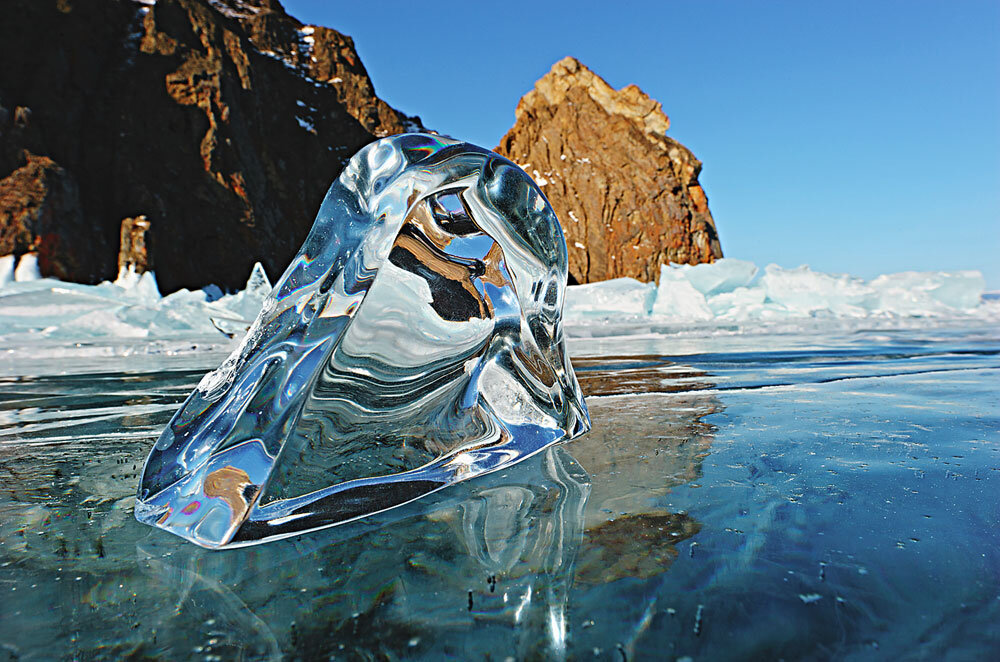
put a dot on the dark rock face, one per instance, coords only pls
(222, 121)
(627, 196)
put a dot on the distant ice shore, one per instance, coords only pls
(729, 296)
(736, 290)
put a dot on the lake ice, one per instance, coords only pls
(810, 471)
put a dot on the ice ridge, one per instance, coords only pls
(729, 290)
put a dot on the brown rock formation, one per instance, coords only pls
(133, 251)
(39, 212)
(627, 195)
(222, 121)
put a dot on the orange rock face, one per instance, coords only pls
(627, 196)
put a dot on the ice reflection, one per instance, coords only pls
(517, 553)
(497, 552)
(506, 556)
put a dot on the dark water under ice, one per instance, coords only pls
(753, 496)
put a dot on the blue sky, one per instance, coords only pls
(859, 137)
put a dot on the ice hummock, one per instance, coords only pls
(735, 290)
(34, 309)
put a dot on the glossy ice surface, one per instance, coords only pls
(414, 342)
(829, 495)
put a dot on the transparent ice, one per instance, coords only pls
(414, 342)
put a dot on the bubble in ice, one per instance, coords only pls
(415, 341)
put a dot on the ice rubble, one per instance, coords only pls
(33, 308)
(733, 290)
(730, 290)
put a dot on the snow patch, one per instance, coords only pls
(306, 124)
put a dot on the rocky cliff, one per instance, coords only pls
(222, 122)
(627, 195)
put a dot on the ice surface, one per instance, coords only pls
(414, 342)
(723, 473)
(621, 296)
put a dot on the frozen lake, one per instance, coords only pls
(809, 491)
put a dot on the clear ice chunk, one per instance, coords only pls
(722, 276)
(414, 342)
(677, 297)
(6, 269)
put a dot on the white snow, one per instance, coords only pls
(677, 297)
(27, 268)
(131, 307)
(621, 296)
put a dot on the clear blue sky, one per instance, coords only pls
(859, 137)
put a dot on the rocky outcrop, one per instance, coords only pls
(134, 256)
(627, 196)
(222, 121)
(40, 213)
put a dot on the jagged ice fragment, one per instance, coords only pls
(415, 341)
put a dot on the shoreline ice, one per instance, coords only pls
(732, 290)
(47, 321)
